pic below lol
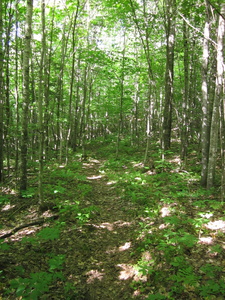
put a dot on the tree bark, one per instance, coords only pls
(169, 75)
(1, 92)
(185, 103)
(26, 94)
(41, 100)
(205, 102)
(218, 96)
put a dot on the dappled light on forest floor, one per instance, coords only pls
(127, 272)
(112, 226)
(94, 177)
(216, 225)
(118, 234)
(7, 207)
(94, 274)
(206, 240)
(124, 247)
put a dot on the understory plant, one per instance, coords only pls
(178, 264)
(40, 283)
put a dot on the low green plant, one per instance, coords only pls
(72, 212)
(4, 199)
(38, 283)
(49, 233)
(29, 193)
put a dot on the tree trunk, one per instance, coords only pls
(1, 93)
(205, 102)
(185, 103)
(17, 93)
(26, 94)
(218, 96)
(71, 97)
(121, 121)
(42, 83)
(170, 42)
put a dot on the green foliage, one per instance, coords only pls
(163, 166)
(156, 296)
(38, 283)
(73, 212)
(4, 199)
(49, 233)
(33, 287)
(171, 245)
(4, 246)
(29, 193)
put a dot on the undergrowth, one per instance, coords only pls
(65, 192)
(180, 244)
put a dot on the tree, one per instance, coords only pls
(214, 130)
(170, 13)
(205, 99)
(41, 98)
(1, 92)
(26, 94)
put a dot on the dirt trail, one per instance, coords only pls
(100, 257)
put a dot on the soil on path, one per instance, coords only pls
(99, 255)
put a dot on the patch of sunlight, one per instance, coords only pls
(108, 226)
(7, 207)
(126, 246)
(165, 211)
(127, 271)
(111, 182)
(176, 160)
(216, 225)
(95, 161)
(206, 240)
(95, 274)
(138, 178)
(130, 272)
(122, 223)
(114, 250)
(137, 164)
(22, 233)
(163, 226)
(111, 226)
(62, 166)
(94, 177)
(8, 191)
(206, 215)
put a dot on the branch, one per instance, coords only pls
(35, 222)
(196, 29)
(216, 10)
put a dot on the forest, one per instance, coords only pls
(112, 149)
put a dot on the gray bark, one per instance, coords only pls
(218, 96)
(26, 94)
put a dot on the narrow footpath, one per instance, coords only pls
(99, 255)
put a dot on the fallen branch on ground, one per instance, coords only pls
(34, 222)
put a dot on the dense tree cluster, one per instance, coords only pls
(71, 71)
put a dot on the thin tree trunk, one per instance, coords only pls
(7, 110)
(42, 81)
(1, 91)
(170, 43)
(120, 121)
(26, 94)
(218, 96)
(185, 106)
(72, 80)
(205, 102)
(17, 94)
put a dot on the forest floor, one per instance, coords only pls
(112, 229)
